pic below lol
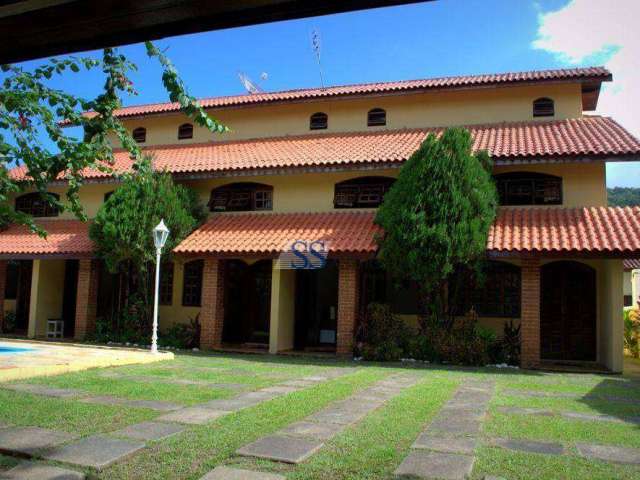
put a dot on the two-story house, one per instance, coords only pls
(313, 164)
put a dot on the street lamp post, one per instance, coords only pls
(160, 235)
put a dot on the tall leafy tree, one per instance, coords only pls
(437, 215)
(122, 227)
(31, 110)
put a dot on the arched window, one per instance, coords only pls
(376, 117)
(495, 294)
(362, 192)
(543, 107)
(192, 284)
(140, 134)
(318, 121)
(241, 197)
(528, 188)
(185, 131)
(36, 205)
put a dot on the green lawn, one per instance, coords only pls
(370, 449)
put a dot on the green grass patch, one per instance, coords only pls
(525, 466)
(21, 409)
(570, 405)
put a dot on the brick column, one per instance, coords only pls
(530, 314)
(347, 305)
(87, 298)
(3, 283)
(212, 308)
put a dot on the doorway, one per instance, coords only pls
(568, 312)
(247, 303)
(316, 308)
(69, 296)
(23, 296)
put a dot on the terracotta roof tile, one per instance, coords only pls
(592, 230)
(463, 81)
(65, 238)
(273, 233)
(631, 263)
(508, 143)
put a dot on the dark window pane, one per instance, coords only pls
(363, 192)
(140, 135)
(36, 205)
(11, 286)
(376, 117)
(166, 284)
(543, 107)
(318, 121)
(241, 197)
(628, 301)
(528, 188)
(185, 131)
(192, 288)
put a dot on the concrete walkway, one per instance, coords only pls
(47, 358)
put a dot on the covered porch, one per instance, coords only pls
(257, 295)
(48, 283)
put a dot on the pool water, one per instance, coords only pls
(6, 349)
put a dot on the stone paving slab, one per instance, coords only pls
(587, 417)
(319, 431)
(526, 411)
(173, 381)
(192, 415)
(97, 451)
(27, 441)
(435, 465)
(281, 389)
(228, 404)
(430, 441)
(40, 471)
(148, 431)
(455, 425)
(299, 383)
(340, 417)
(609, 453)
(570, 395)
(104, 400)
(157, 405)
(281, 448)
(529, 446)
(227, 473)
(36, 389)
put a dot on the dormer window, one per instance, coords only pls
(363, 192)
(185, 131)
(543, 107)
(318, 121)
(528, 188)
(37, 205)
(140, 134)
(376, 117)
(241, 197)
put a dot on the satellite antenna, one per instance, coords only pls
(315, 44)
(248, 84)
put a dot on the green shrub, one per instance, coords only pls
(383, 336)
(511, 343)
(182, 335)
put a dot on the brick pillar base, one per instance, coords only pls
(347, 305)
(3, 283)
(212, 308)
(530, 314)
(87, 298)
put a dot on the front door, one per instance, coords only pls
(568, 312)
(247, 309)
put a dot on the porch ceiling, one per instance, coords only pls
(65, 239)
(607, 232)
(270, 234)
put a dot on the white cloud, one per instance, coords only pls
(595, 32)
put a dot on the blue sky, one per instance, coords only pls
(446, 37)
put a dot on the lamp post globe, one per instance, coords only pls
(160, 235)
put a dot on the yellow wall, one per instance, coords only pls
(46, 294)
(176, 313)
(445, 108)
(282, 323)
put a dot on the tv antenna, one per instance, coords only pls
(315, 45)
(249, 85)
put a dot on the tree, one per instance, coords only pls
(437, 215)
(623, 196)
(31, 110)
(122, 227)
